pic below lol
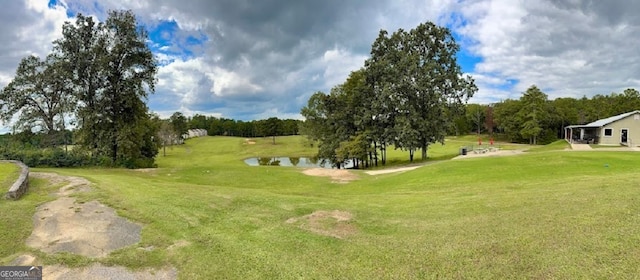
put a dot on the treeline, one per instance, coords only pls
(255, 128)
(173, 130)
(59, 149)
(406, 96)
(535, 119)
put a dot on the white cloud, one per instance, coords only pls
(187, 112)
(338, 64)
(260, 59)
(47, 28)
(195, 81)
(27, 28)
(565, 48)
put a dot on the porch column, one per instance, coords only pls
(582, 134)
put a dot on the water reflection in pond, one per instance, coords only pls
(290, 161)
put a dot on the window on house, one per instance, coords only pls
(608, 131)
(636, 117)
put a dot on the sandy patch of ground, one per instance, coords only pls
(499, 153)
(334, 223)
(90, 229)
(99, 272)
(146, 170)
(249, 141)
(72, 184)
(392, 170)
(337, 175)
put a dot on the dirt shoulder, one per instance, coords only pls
(89, 229)
(499, 153)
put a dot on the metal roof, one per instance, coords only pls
(603, 122)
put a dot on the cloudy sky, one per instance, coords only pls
(256, 59)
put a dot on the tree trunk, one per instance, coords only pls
(114, 151)
(375, 150)
(424, 151)
(411, 152)
(384, 154)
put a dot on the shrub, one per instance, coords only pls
(56, 157)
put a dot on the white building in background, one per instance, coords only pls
(191, 133)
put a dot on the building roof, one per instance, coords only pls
(603, 122)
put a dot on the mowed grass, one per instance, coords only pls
(9, 173)
(551, 214)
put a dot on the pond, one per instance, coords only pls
(291, 161)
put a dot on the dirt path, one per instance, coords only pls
(581, 147)
(89, 229)
(500, 153)
(337, 175)
(392, 170)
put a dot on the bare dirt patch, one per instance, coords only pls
(392, 170)
(72, 184)
(500, 153)
(99, 271)
(146, 170)
(90, 229)
(249, 141)
(337, 175)
(334, 223)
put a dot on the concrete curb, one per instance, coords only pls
(20, 186)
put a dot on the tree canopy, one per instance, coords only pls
(100, 73)
(406, 96)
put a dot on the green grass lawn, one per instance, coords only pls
(9, 173)
(555, 146)
(552, 214)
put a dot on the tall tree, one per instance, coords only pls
(271, 127)
(566, 113)
(39, 95)
(179, 123)
(505, 113)
(476, 115)
(423, 82)
(83, 49)
(534, 113)
(488, 120)
(113, 70)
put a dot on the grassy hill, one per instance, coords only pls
(550, 214)
(9, 173)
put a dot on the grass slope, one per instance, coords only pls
(9, 173)
(555, 214)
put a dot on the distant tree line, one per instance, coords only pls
(256, 128)
(180, 124)
(535, 119)
(38, 148)
(172, 129)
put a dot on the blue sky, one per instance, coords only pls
(258, 59)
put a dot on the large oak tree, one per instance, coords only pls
(113, 72)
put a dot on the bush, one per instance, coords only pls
(56, 157)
